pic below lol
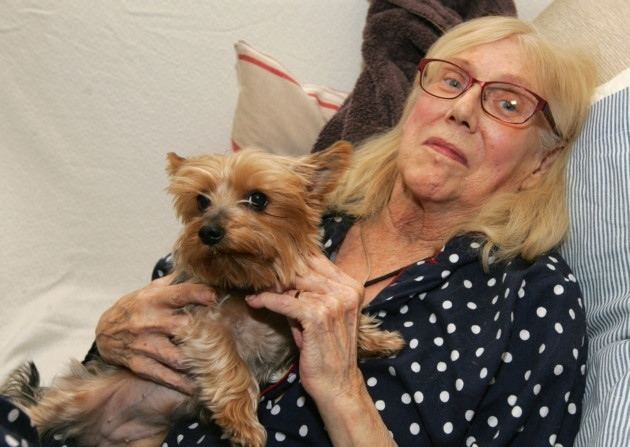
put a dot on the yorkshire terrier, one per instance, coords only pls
(251, 219)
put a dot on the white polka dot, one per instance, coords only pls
(454, 355)
(291, 378)
(301, 401)
(492, 282)
(448, 428)
(475, 329)
(572, 277)
(371, 381)
(517, 412)
(493, 421)
(524, 335)
(451, 328)
(418, 397)
(541, 348)
(200, 440)
(419, 278)
(541, 312)
(328, 243)
(414, 428)
(558, 289)
(11, 441)
(459, 384)
(439, 341)
(441, 366)
(467, 284)
(382, 313)
(521, 293)
(499, 332)
(415, 367)
(527, 374)
(551, 267)
(453, 258)
(495, 300)
(445, 396)
(511, 400)
(180, 438)
(447, 304)
(444, 286)
(471, 306)
(483, 373)
(303, 431)
(575, 353)
(469, 415)
(405, 398)
(280, 436)
(536, 389)
(479, 352)
(380, 405)
(408, 324)
(13, 415)
(470, 441)
(544, 411)
(446, 273)
(392, 371)
(558, 328)
(572, 314)
(475, 245)
(506, 357)
(432, 318)
(572, 408)
(275, 410)
(552, 439)
(413, 343)
(404, 309)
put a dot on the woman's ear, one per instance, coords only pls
(547, 160)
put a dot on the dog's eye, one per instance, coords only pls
(257, 201)
(202, 202)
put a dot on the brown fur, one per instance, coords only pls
(230, 347)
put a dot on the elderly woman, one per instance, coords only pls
(445, 229)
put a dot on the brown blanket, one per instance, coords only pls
(396, 36)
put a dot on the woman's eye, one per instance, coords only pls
(454, 83)
(257, 201)
(509, 105)
(203, 202)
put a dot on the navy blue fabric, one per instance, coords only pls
(492, 359)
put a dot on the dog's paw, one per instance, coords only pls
(375, 342)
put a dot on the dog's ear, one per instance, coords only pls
(324, 169)
(174, 162)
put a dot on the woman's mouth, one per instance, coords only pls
(447, 149)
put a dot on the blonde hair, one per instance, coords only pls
(527, 223)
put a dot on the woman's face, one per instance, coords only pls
(453, 153)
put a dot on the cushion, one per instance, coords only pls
(598, 249)
(274, 110)
(599, 26)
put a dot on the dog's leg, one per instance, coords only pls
(226, 386)
(375, 342)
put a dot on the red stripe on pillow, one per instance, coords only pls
(327, 105)
(267, 67)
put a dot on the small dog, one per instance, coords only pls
(250, 221)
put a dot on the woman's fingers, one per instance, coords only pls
(159, 348)
(180, 295)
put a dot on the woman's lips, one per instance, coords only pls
(447, 149)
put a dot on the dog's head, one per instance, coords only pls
(251, 218)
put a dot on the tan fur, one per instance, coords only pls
(230, 347)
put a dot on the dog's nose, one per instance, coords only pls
(211, 234)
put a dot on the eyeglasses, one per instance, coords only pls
(507, 102)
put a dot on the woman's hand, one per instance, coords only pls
(324, 317)
(136, 331)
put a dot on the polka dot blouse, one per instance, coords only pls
(493, 358)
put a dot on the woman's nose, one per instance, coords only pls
(466, 109)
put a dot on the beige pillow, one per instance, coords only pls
(275, 111)
(600, 26)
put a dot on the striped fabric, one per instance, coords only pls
(275, 111)
(598, 250)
